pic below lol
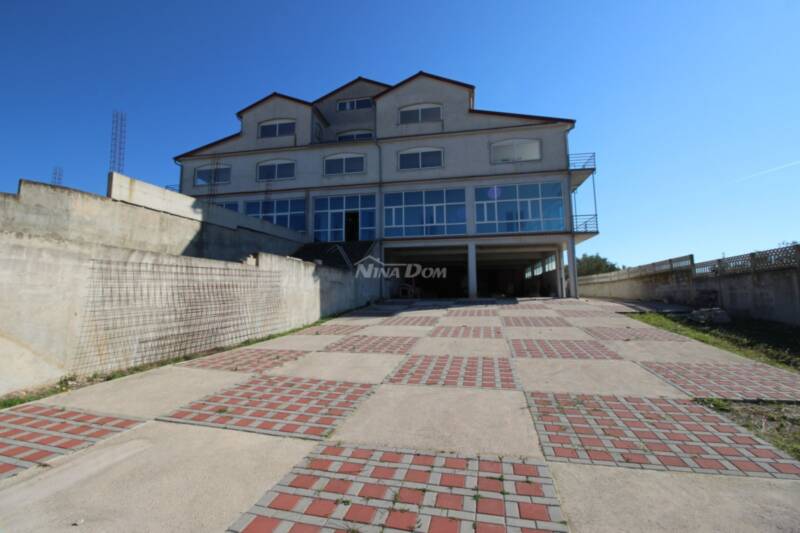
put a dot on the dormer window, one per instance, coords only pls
(276, 128)
(355, 135)
(203, 176)
(415, 114)
(353, 104)
(514, 150)
(275, 169)
(344, 164)
(420, 158)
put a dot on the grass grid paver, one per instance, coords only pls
(561, 349)
(455, 371)
(277, 405)
(471, 312)
(33, 433)
(732, 381)
(372, 344)
(651, 433)
(633, 334)
(349, 488)
(331, 329)
(410, 321)
(461, 332)
(247, 360)
(534, 321)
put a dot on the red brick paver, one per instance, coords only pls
(247, 359)
(369, 344)
(478, 332)
(331, 329)
(656, 433)
(277, 405)
(735, 381)
(561, 349)
(471, 312)
(534, 321)
(633, 334)
(410, 321)
(455, 371)
(33, 433)
(384, 489)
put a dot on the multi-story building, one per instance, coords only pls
(416, 168)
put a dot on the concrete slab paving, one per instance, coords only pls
(158, 477)
(149, 394)
(609, 321)
(311, 343)
(469, 321)
(443, 418)
(591, 377)
(505, 311)
(461, 346)
(690, 351)
(342, 366)
(598, 499)
(357, 320)
(548, 333)
(424, 311)
(396, 331)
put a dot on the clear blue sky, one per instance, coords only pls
(686, 103)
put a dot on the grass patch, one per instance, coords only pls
(768, 342)
(71, 382)
(775, 422)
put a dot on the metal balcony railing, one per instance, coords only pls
(582, 160)
(584, 224)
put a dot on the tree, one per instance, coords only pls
(594, 264)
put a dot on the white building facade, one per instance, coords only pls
(417, 168)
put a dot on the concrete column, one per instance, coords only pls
(472, 270)
(560, 272)
(573, 268)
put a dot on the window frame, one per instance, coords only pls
(327, 213)
(419, 108)
(399, 218)
(275, 162)
(354, 102)
(277, 122)
(419, 151)
(264, 215)
(226, 205)
(355, 132)
(514, 143)
(216, 181)
(344, 156)
(483, 208)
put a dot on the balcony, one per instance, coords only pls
(584, 199)
(582, 161)
(584, 224)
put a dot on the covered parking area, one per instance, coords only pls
(492, 267)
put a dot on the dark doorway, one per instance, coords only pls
(351, 226)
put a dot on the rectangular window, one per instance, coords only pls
(203, 176)
(530, 207)
(416, 114)
(356, 103)
(289, 213)
(277, 170)
(329, 216)
(344, 165)
(276, 129)
(355, 136)
(232, 206)
(437, 212)
(420, 159)
(516, 150)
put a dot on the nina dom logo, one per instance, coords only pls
(372, 267)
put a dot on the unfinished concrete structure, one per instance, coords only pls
(416, 167)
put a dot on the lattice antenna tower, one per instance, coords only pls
(58, 176)
(119, 126)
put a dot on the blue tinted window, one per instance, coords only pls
(334, 166)
(394, 232)
(552, 209)
(456, 214)
(298, 222)
(368, 200)
(413, 216)
(482, 194)
(368, 218)
(298, 205)
(351, 202)
(413, 231)
(336, 202)
(252, 208)
(268, 207)
(282, 206)
(320, 204)
(394, 198)
(507, 192)
(413, 198)
(282, 220)
(337, 236)
(529, 191)
(431, 159)
(320, 221)
(367, 234)
(486, 228)
(550, 190)
(456, 229)
(337, 220)
(455, 195)
(434, 230)
(408, 161)
(354, 164)
(434, 197)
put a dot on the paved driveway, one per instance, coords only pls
(430, 416)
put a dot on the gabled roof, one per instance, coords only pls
(422, 73)
(521, 115)
(209, 145)
(272, 95)
(348, 84)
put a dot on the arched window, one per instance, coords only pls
(279, 127)
(204, 175)
(516, 150)
(344, 164)
(355, 135)
(417, 113)
(275, 169)
(420, 158)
